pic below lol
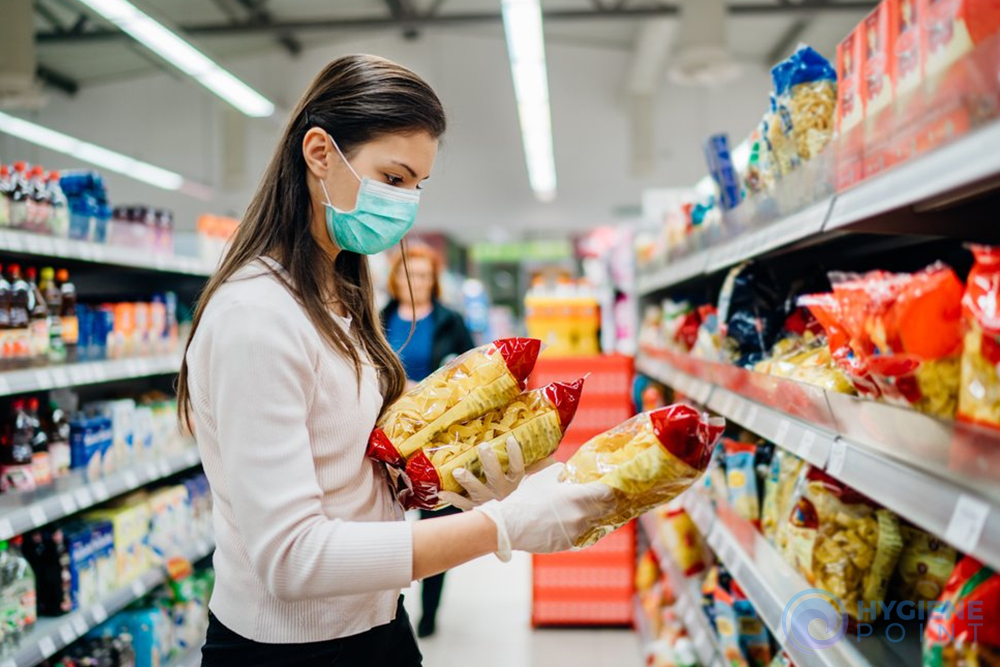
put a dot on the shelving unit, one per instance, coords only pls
(43, 378)
(53, 634)
(21, 512)
(38, 245)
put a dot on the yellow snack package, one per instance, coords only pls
(924, 566)
(537, 419)
(482, 379)
(647, 461)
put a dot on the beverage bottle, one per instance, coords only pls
(8, 625)
(23, 596)
(6, 350)
(20, 195)
(41, 460)
(59, 222)
(5, 187)
(67, 311)
(48, 556)
(40, 199)
(38, 311)
(59, 442)
(16, 454)
(20, 317)
(53, 301)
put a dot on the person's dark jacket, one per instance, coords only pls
(451, 337)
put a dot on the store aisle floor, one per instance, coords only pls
(485, 620)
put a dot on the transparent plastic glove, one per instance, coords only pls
(545, 515)
(499, 484)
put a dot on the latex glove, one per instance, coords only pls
(499, 484)
(545, 515)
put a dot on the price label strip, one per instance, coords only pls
(67, 503)
(838, 454)
(38, 516)
(100, 613)
(782, 432)
(67, 633)
(47, 647)
(806, 444)
(967, 523)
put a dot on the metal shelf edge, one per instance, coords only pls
(43, 378)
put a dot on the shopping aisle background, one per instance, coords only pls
(485, 620)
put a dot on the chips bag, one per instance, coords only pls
(844, 543)
(683, 541)
(754, 639)
(537, 419)
(741, 479)
(924, 567)
(482, 379)
(979, 394)
(647, 461)
(965, 632)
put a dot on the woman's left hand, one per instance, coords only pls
(499, 484)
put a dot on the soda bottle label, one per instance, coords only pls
(16, 478)
(70, 330)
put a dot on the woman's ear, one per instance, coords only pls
(317, 152)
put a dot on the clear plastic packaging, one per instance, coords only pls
(979, 395)
(482, 379)
(537, 419)
(647, 461)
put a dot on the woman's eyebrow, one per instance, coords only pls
(406, 167)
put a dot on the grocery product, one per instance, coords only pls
(16, 452)
(751, 313)
(647, 461)
(909, 56)
(965, 632)
(954, 28)
(565, 316)
(741, 479)
(925, 564)
(727, 625)
(683, 541)
(720, 167)
(537, 419)
(979, 394)
(878, 53)
(48, 554)
(843, 543)
(753, 637)
(18, 600)
(805, 100)
(485, 378)
(779, 491)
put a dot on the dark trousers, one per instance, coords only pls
(389, 645)
(431, 587)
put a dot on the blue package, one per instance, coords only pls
(86, 443)
(147, 627)
(83, 574)
(103, 549)
(720, 166)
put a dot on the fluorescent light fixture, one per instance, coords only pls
(181, 54)
(522, 20)
(92, 153)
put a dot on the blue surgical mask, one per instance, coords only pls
(382, 215)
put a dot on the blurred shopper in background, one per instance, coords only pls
(438, 335)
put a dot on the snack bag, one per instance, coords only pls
(925, 565)
(805, 90)
(683, 541)
(843, 543)
(965, 632)
(751, 313)
(754, 639)
(647, 461)
(741, 479)
(537, 419)
(727, 624)
(482, 379)
(979, 394)
(785, 495)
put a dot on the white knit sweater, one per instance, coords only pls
(310, 544)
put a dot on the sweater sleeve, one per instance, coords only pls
(260, 377)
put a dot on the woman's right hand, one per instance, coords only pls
(545, 515)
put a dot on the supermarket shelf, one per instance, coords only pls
(21, 512)
(39, 245)
(54, 634)
(688, 606)
(89, 372)
(770, 583)
(190, 659)
(965, 162)
(942, 476)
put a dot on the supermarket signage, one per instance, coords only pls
(938, 619)
(550, 251)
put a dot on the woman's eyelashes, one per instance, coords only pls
(399, 181)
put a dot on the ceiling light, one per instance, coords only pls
(181, 54)
(522, 20)
(92, 153)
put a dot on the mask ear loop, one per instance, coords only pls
(342, 157)
(409, 286)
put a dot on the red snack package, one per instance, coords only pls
(963, 630)
(979, 395)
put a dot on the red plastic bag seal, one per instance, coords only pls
(381, 449)
(685, 434)
(423, 482)
(565, 398)
(520, 355)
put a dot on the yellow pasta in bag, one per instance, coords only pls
(488, 377)
(537, 419)
(647, 461)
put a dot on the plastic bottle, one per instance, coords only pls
(59, 442)
(41, 460)
(5, 187)
(67, 311)
(23, 596)
(20, 317)
(16, 454)
(53, 301)
(5, 340)
(48, 556)
(38, 311)
(20, 195)
(59, 222)
(40, 199)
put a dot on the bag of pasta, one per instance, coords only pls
(844, 543)
(962, 631)
(924, 567)
(647, 461)
(979, 395)
(482, 379)
(537, 419)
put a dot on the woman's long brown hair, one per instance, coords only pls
(355, 99)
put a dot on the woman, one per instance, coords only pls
(424, 334)
(286, 373)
